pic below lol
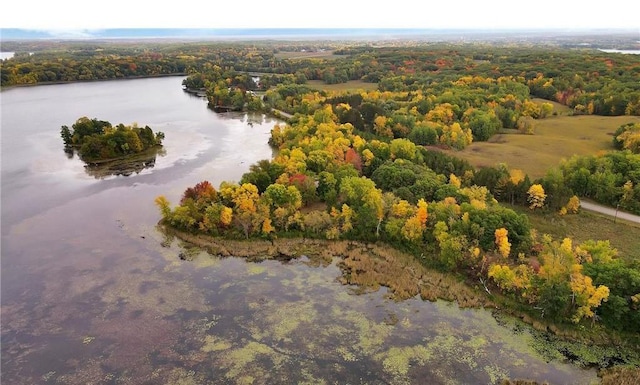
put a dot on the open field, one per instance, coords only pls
(351, 85)
(555, 138)
(624, 236)
(307, 55)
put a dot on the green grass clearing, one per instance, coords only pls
(307, 55)
(555, 138)
(624, 236)
(351, 85)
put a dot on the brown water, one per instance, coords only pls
(93, 293)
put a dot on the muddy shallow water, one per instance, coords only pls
(94, 293)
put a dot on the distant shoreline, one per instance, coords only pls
(89, 81)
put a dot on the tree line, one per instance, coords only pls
(587, 80)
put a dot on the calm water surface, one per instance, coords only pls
(92, 293)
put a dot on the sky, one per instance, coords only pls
(73, 17)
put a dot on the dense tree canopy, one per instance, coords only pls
(97, 140)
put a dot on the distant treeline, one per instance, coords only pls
(588, 81)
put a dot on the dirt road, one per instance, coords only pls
(609, 211)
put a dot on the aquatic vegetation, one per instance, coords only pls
(398, 360)
(214, 344)
(309, 379)
(496, 373)
(181, 376)
(238, 359)
(286, 318)
(254, 269)
(368, 267)
(366, 337)
(48, 376)
(88, 339)
(346, 354)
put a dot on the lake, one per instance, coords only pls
(93, 292)
(623, 51)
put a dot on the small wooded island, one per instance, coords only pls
(97, 141)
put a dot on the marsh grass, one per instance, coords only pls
(621, 376)
(369, 266)
(372, 266)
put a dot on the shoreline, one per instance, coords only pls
(401, 273)
(89, 81)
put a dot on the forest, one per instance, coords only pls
(372, 166)
(369, 165)
(587, 80)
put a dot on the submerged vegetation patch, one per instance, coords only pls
(404, 341)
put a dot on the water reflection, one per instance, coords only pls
(124, 167)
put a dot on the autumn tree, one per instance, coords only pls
(366, 200)
(164, 206)
(526, 125)
(415, 226)
(216, 217)
(483, 124)
(586, 296)
(627, 137)
(451, 245)
(536, 196)
(572, 206)
(511, 280)
(502, 242)
(244, 199)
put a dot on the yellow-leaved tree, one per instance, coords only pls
(572, 206)
(536, 196)
(502, 242)
(454, 180)
(509, 279)
(586, 296)
(415, 226)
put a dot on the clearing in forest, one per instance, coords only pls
(555, 138)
